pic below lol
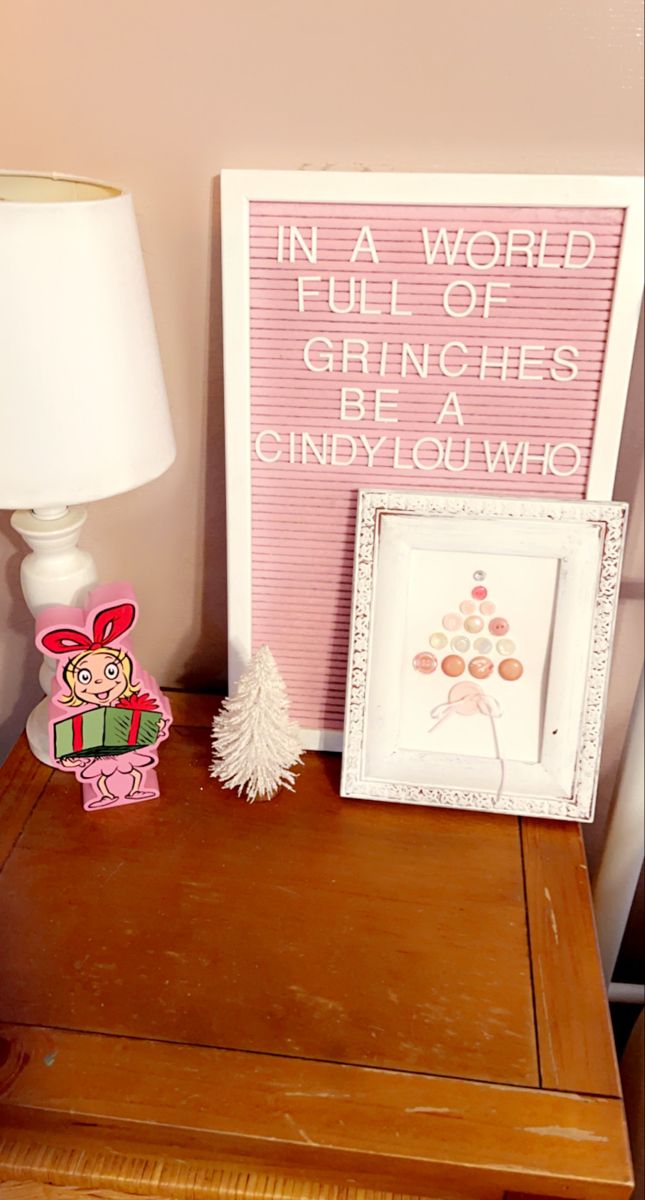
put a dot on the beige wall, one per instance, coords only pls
(159, 95)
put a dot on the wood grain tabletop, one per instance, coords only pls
(311, 997)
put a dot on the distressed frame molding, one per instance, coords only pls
(373, 504)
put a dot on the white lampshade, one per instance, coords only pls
(83, 406)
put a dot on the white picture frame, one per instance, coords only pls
(531, 745)
(242, 188)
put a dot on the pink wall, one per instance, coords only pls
(159, 96)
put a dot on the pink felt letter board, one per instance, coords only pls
(458, 333)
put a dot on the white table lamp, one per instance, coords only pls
(83, 407)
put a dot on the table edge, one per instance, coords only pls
(574, 1034)
(308, 1116)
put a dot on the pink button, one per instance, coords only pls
(487, 608)
(425, 663)
(451, 621)
(479, 593)
(498, 626)
(467, 606)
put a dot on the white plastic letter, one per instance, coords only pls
(442, 359)
(380, 404)
(319, 455)
(280, 254)
(303, 292)
(351, 295)
(513, 248)
(362, 308)
(365, 235)
(260, 453)
(526, 361)
(372, 451)
(336, 439)
(359, 354)
(421, 368)
(394, 311)
(541, 262)
(466, 456)
(542, 458)
(502, 451)
(490, 297)
(495, 250)
(397, 464)
(576, 458)
(415, 454)
(486, 361)
(459, 283)
(352, 398)
(570, 368)
(451, 408)
(295, 238)
(591, 249)
(451, 252)
(326, 358)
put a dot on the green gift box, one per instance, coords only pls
(99, 732)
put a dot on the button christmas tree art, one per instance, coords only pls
(469, 645)
(473, 639)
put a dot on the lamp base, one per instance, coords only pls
(56, 572)
(37, 730)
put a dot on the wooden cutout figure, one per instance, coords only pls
(106, 715)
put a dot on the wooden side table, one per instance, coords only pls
(308, 998)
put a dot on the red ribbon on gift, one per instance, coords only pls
(143, 703)
(137, 706)
(77, 732)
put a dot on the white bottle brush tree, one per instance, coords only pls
(255, 744)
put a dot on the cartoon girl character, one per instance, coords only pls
(98, 676)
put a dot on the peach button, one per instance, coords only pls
(453, 665)
(510, 669)
(498, 626)
(480, 667)
(451, 622)
(473, 624)
(467, 606)
(487, 608)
